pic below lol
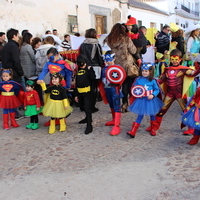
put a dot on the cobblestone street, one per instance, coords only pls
(73, 166)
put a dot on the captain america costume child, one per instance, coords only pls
(32, 105)
(191, 117)
(8, 98)
(113, 94)
(145, 91)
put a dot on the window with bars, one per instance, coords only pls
(72, 24)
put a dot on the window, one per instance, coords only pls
(72, 24)
(139, 23)
(152, 25)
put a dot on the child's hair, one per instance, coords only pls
(9, 71)
(30, 83)
(52, 50)
(81, 60)
(57, 75)
(176, 52)
(147, 66)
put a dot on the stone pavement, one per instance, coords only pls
(73, 166)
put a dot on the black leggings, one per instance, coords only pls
(34, 119)
(126, 88)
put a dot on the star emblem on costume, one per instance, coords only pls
(138, 91)
(115, 75)
(146, 87)
(197, 123)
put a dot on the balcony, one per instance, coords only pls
(184, 11)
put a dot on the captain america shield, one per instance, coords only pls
(138, 91)
(115, 74)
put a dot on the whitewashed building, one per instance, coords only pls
(70, 16)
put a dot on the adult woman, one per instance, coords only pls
(27, 56)
(177, 36)
(193, 42)
(93, 52)
(123, 47)
(36, 42)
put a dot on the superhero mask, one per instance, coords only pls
(146, 66)
(109, 57)
(175, 59)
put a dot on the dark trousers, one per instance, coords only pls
(94, 93)
(126, 88)
(34, 119)
(85, 101)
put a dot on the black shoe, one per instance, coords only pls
(83, 121)
(19, 116)
(88, 129)
(95, 110)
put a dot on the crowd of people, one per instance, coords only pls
(36, 78)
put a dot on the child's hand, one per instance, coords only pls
(24, 108)
(37, 109)
(89, 67)
(40, 81)
(76, 99)
(66, 107)
(150, 97)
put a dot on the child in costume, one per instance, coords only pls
(113, 95)
(173, 76)
(32, 105)
(191, 117)
(145, 90)
(56, 65)
(84, 78)
(8, 98)
(57, 105)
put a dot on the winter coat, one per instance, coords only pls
(27, 58)
(11, 60)
(124, 51)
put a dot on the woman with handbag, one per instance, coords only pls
(123, 47)
(91, 49)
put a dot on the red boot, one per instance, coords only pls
(156, 124)
(112, 122)
(134, 129)
(189, 131)
(5, 122)
(194, 140)
(153, 128)
(116, 129)
(13, 121)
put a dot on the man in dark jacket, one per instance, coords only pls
(163, 40)
(10, 55)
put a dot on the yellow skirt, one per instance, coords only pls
(55, 109)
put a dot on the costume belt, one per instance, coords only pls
(7, 93)
(147, 93)
(85, 89)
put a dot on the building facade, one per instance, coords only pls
(69, 16)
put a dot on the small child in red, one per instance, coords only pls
(31, 105)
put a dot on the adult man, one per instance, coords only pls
(55, 32)
(2, 43)
(10, 55)
(163, 40)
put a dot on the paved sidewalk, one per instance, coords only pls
(73, 166)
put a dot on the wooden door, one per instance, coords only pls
(99, 19)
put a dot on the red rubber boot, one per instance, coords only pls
(116, 129)
(194, 140)
(156, 124)
(190, 131)
(13, 121)
(153, 128)
(5, 122)
(134, 129)
(112, 122)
